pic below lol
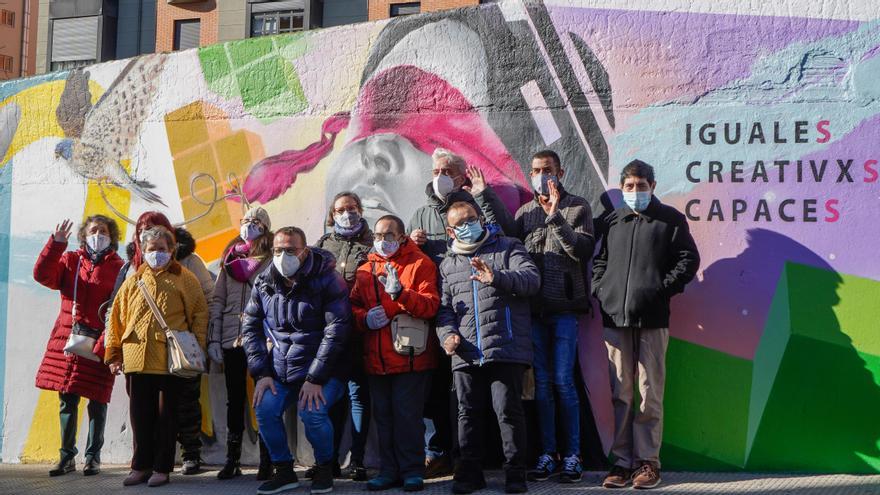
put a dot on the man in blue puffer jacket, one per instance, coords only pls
(484, 323)
(301, 304)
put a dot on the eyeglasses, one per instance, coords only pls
(291, 251)
(387, 236)
(340, 211)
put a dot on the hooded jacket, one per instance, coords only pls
(419, 298)
(308, 322)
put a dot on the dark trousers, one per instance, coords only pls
(69, 422)
(442, 409)
(189, 419)
(478, 387)
(153, 402)
(235, 372)
(397, 409)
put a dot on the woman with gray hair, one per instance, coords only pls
(136, 346)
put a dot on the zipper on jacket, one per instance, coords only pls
(509, 328)
(477, 316)
(632, 242)
(378, 332)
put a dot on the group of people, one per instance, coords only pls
(435, 324)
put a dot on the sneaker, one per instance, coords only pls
(619, 477)
(437, 467)
(544, 468)
(382, 483)
(322, 478)
(63, 467)
(413, 484)
(265, 472)
(355, 471)
(515, 481)
(284, 479)
(572, 471)
(310, 472)
(646, 477)
(191, 466)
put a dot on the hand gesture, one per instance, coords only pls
(376, 318)
(263, 384)
(62, 232)
(451, 344)
(309, 396)
(215, 352)
(553, 201)
(419, 237)
(483, 272)
(391, 281)
(478, 183)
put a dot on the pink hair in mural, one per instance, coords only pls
(414, 104)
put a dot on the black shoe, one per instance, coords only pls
(467, 480)
(92, 467)
(283, 480)
(322, 478)
(355, 471)
(464, 487)
(265, 472)
(515, 482)
(230, 470)
(191, 466)
(337, 472)
(63, 467)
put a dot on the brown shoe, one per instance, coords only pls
(437, 467)
(136, 478)
(619, 477)
(646, 477)
(158, 479)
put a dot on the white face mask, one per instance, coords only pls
(157, 259)
(386, 249)
(97, 242)
(286, 264)
(347, 219)
(443, 185)
(250, 231)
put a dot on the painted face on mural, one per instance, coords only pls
(386, 171)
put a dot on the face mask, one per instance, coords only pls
(157, 259)
(97, 242)
(443, 185)
(540, 183)
(286, 264)
(250, 231)
(346, 220)
(469, 233)
(638, 200)
(386, 249)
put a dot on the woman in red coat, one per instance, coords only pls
(86, 276)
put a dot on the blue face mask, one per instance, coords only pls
(637, 200)
(469, 233)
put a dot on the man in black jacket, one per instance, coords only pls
(647, 256)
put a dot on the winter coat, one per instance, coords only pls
(57, 270)
(307, 322)
(644, 260)
(186, 255)
(134, 335)
(561, 246)
(350, 252)
(419, 298)
(227, 304)
(493, 321)
(431, 217)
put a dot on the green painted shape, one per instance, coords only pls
(706, 405)
(821, 415)
(243, 52)
(214, 62)
(674, 458)
(293, 46)
(266, 80)
(768, 356)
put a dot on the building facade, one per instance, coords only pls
(18, 39)
(384, 9)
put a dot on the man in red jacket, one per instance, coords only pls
(394, 295)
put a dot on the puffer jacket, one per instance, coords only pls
(350, 252)
(227, 303)
(419, 298)
(308, 323)
(494, 321)
(57, 270)
(561, 246)
(431, 217)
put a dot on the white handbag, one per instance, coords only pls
(82, 339)
(185, 356)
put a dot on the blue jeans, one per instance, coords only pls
(319, 428)
(359, 395)
(555, 341)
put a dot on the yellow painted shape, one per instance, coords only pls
(119, 197)
(205, 401)
(250, 401)
(44, 438)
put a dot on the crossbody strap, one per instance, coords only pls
(75, 288)
(150, 302)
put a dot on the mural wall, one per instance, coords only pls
(765, 130)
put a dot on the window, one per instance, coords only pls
(187, 34)
(7, 18)
(70, 64)
(6, 63)
(399, 9)
(276, 22)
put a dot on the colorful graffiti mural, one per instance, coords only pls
(763, 129)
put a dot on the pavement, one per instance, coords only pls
(33, 479)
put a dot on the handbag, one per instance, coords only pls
(82, 339)
(185, 357)
(409, 335)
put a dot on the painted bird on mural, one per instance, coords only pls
(100, 136)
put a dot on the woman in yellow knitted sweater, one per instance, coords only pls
(136, 346)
